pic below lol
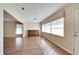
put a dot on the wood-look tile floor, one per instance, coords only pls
(31, 46)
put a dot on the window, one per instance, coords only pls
(19, 29)
(55, 27)
(46, 28)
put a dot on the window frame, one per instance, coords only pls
(50, 27)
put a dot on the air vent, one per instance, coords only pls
(34, 19)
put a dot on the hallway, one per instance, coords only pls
(31, 46)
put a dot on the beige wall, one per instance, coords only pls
(65, 42)
(31, 26)
(9, 29)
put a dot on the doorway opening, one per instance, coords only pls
(19, 30)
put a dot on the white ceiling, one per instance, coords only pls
(40, 11)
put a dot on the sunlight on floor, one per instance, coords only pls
(18, 41)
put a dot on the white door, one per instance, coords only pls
(76, 31)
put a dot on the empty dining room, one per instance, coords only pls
(39, 29)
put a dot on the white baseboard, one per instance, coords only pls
(62, 47)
